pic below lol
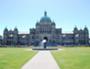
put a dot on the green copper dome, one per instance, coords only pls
(45, 18)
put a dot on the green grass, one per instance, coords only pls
(14, 58)
(73, 58)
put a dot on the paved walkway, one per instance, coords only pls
(42, 60)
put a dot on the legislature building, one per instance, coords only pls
(46, 28)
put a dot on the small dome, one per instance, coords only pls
(45, 18)
(37, 24)
(53, 23)
(5, 29)
(75, 28)
(85, 28)
(15, 29)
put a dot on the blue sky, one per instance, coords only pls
(24, 14)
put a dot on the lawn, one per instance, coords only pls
(73, 58)
(14, 58)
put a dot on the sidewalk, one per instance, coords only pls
(42, 60)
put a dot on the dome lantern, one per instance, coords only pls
(45, 13)
(45, 18)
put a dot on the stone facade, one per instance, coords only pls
(46, 28)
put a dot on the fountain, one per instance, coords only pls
(43, 45)
(44, 42)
